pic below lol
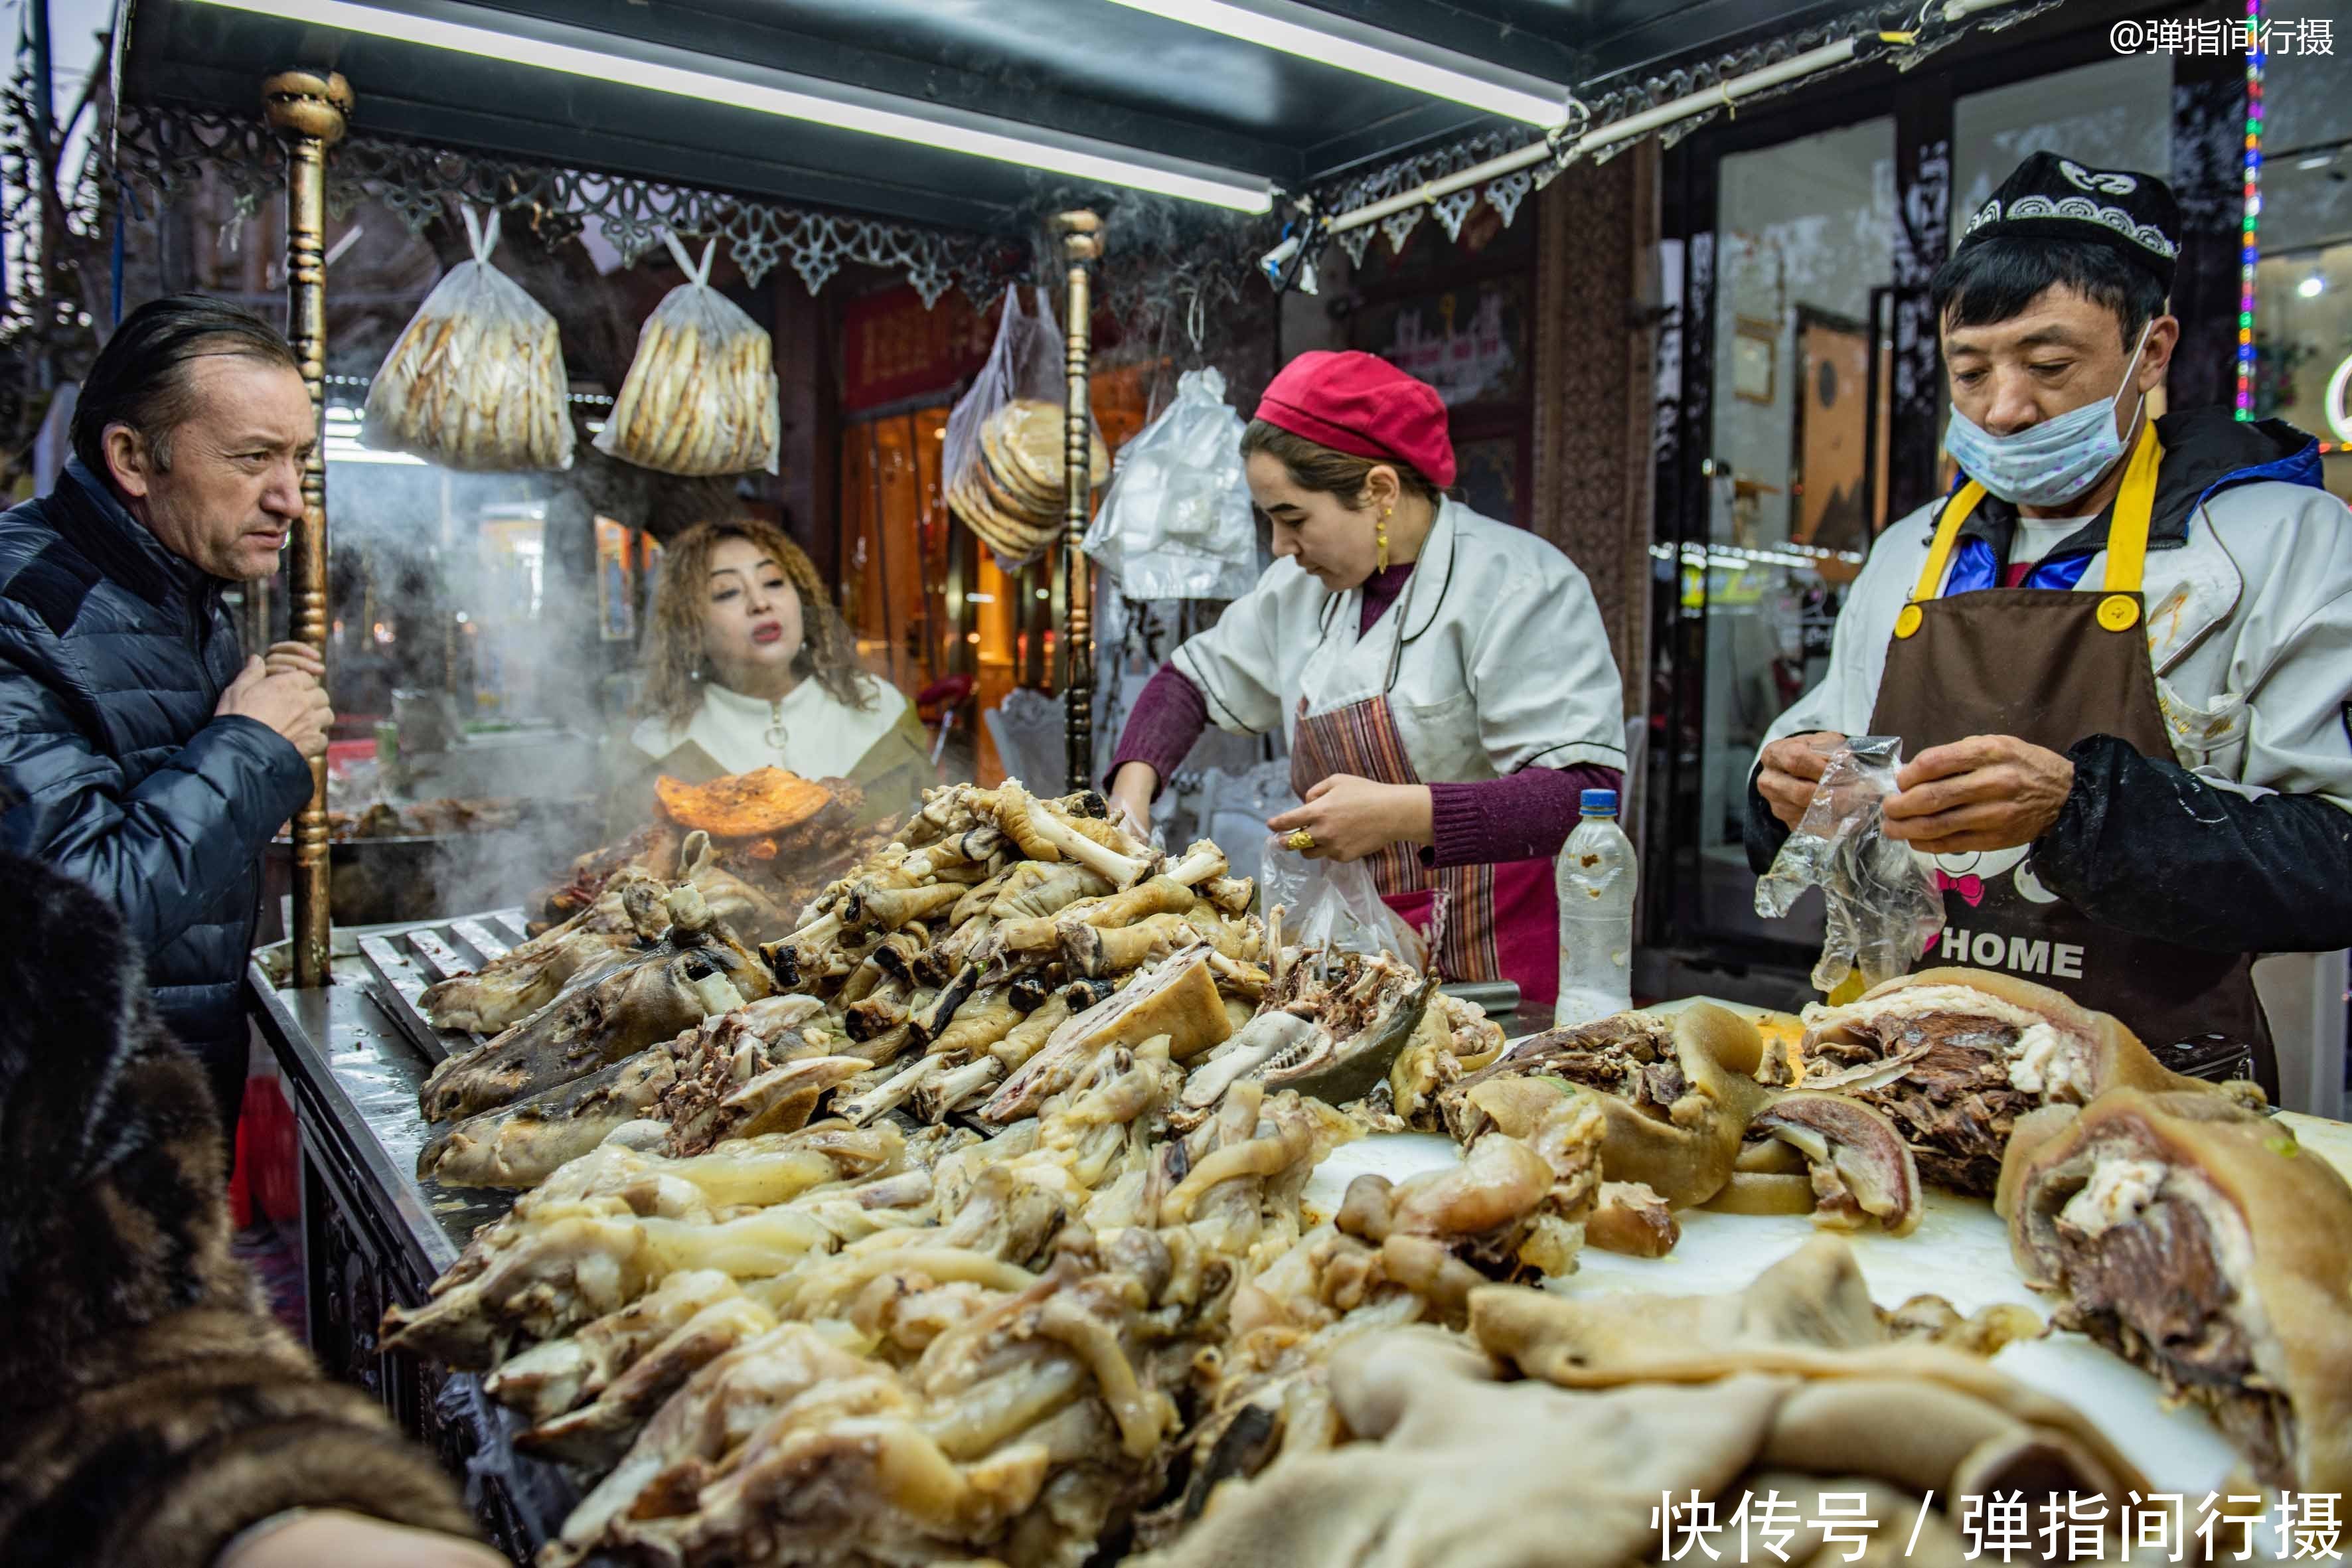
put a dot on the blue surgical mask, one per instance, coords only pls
(2051, 463)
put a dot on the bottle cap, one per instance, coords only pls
(1599, 803)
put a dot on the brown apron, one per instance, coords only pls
(2052, 667)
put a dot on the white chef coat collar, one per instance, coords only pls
(1432, 574)
(1423, 596)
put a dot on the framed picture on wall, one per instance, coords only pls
(616, 581)
(1837, 429)
(1469, 343)
(1754, 346)
(1488, 473)
(649, 571)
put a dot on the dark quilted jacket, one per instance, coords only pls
(113, 653)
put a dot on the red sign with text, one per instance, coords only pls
(892, 347)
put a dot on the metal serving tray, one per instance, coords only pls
(402, 964)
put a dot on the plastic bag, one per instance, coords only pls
(477, 380)
(1177, 524)
(700, 397)
(1003, 464)
(1332, 904)
(1884, 909)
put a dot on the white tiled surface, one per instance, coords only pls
(1959, 1252)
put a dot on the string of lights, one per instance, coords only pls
(2250, 246)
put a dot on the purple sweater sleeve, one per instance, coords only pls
(1170, 714)
(1526, 815)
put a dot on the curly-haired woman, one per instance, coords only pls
(748, 666)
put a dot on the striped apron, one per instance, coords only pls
(1501, 921)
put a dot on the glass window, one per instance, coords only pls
(1805, 262)
(2117, 114)
(2302, 284)
(2302, 348)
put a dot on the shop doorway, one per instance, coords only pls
(1800, 406)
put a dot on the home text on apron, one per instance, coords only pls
(2052, 666)
(1502, 922)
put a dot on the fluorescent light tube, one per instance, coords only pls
(780, 93)
(1369, 51)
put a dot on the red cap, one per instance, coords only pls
(1362, 404)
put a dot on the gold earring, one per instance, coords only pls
(1380, 536)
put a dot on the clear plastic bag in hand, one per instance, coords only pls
(1333, 905)
(477, 380)
(1004, 454)
(1883, 906)
(1176, 523)
(700, 397)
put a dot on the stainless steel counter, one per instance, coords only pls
(374, 1235)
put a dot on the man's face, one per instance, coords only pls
(2060, 353)
(234, 490)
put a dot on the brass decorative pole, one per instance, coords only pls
(1081, 234)
(307, 109)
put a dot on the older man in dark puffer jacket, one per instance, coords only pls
(139, 751)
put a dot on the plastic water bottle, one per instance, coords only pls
(1595, 878)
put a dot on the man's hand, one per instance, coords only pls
(1350, 817)
(289, 700)
(297, 657)
(1988, 792)
(355, 1540)
(1792, 766)
(1131, 799)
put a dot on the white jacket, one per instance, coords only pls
(2249, 628)
(1504, 660)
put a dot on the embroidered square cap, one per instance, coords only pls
(2051, 197)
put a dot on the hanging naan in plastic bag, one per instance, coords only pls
(1003, 465)
(700, 397)
(1176, 523)
(477, 381)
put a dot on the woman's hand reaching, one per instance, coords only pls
(1130, 800)
(1349, 818)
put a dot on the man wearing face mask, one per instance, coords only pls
(2118, 655)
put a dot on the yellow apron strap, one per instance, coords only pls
(2127, 540)
(2118, 608)
(1948, 531)
(1931, 576)
(2128, 530)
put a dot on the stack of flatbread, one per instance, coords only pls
(1012, 495)
(698, 403)
(477, 381)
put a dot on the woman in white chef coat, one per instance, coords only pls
(747, 666)
(1443, 680)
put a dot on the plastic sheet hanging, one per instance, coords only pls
(1004, 461)
(1030, 731)
(700, 398)
(1883, 906)
(477, 380)
(1176, 523)
(1333, 905)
